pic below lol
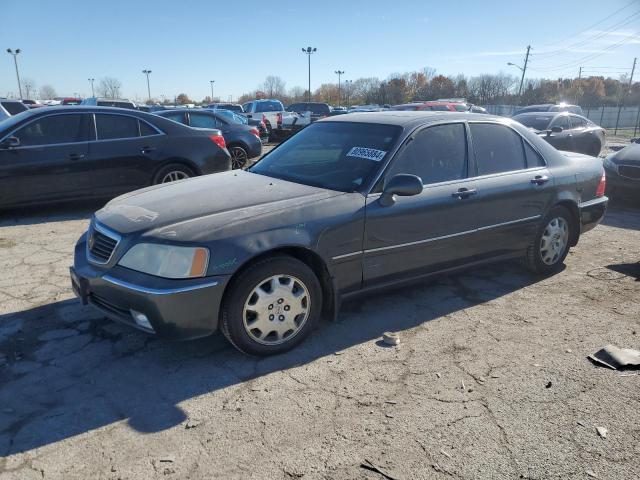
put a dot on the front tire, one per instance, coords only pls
(272, 306)
(546, 254)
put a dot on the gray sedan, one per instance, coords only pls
(351, 204)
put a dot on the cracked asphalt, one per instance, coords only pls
(490, 379)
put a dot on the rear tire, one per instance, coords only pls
(239, 157)
(173, 172)
(549, 248)
(272, 306)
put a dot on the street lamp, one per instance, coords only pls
(339, 73)
(15, 60)
(348, 86)
(91, 80)
(308, 51)
(147, 72)
(212, 82)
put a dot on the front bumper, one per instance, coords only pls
(176, 309)
(592, 213)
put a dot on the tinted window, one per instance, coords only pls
(497, 148)
(335, 155)
(146, 129)
(561, 122)
(176, 117)
(436, 154)
(461, 107)
(438, 108)
(269, 106)
(533, 158)
(319, 109)
(247, 107)
(14, 107)
(53, 129)
(116, 126)
(578, 122)
(199, 120)
(537, 122)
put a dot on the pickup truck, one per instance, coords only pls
(303, 114)
(271, 112)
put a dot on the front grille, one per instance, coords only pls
(629, 171)
(100, 245)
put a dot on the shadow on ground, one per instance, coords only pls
(50, 213)
(69, 371)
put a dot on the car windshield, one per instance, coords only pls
(341, 156)
(537, 122)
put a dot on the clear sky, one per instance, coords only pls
(238, 43)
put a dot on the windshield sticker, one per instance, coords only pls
(368, 153)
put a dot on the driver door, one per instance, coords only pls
(433, 230)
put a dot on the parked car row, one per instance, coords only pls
(69, 153)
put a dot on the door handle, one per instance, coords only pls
(540, 179)
(147, 149)
(76, 156)
(464, 193)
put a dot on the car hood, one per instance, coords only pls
(629, 155)
(175, 210)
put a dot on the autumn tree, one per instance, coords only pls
(183, 99)
(47, 92)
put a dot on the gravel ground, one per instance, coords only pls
(490, 379)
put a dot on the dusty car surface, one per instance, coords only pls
(623, 171)
(351, 204)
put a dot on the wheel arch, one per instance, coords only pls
(572, 206)
(309, 258)
(176, 161)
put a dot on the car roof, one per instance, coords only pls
(407, 119)
(543, 114)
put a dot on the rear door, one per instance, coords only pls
(125, 154)
(514, 185)
(433, 230)
(50, 163)
(583, 137)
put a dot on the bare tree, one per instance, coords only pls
(47, 92)
(273, 86)
(109, 87)
(28, 87)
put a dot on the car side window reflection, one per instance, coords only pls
(436, 154)
(497, 148)
(198, 120)
(53, 129)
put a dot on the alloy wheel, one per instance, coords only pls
(276, 310)
(238, 157)
(554, 241)
(173, 176)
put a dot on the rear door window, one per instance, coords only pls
(54, 129)
(435, 154)
(176, 117)
(497, 148)
(110, 127)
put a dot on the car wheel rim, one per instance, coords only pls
(238, 157)
(173, 176)
(276, 310)
(554, 241)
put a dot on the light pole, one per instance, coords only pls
(147, 72)
(91, 80)
(308, 51)
(15, 60)
(523, 70)
(348, 86)
(339, 73)
(212, 82)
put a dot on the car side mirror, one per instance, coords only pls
(402, 184)
(556, 129)
(10, 142)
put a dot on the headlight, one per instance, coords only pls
(167, 260)
(610, 165)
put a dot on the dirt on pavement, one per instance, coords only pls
(490, 379)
